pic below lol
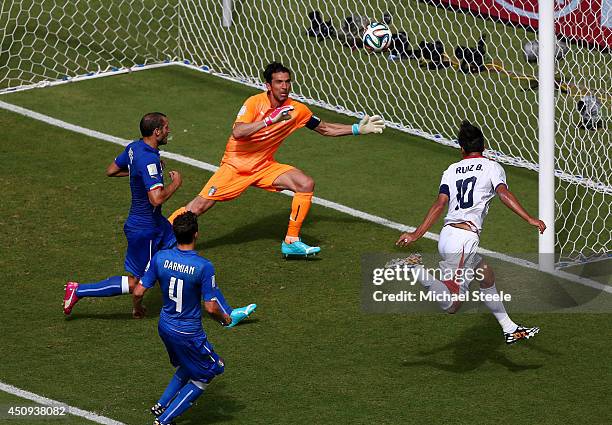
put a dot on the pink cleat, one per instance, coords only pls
(70, 297)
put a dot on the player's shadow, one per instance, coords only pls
(124, 315)
(270, 227)
(473, 348)
(248, 322)
(209, 321)
(216, 405)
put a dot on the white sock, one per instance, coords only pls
(423, 276)
(125, 285)
(437, 288)
(498, 310)
(433, 286)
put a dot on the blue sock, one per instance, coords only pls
(178, 381)
(114, 285)
(222, 303)
(183, 401)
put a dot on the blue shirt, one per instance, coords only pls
(145, 175)
(186, 279)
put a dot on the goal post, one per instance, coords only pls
(546, 133)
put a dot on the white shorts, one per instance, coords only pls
(458, 247)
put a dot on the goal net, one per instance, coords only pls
(450, 60)
(48, 40)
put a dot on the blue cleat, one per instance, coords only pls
(298, 249)
(241, 313)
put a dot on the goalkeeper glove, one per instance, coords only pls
(279, 114)
(367, 125)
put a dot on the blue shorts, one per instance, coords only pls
(142, 244)
(192, 353)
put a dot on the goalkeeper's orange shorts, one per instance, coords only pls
(227, 183)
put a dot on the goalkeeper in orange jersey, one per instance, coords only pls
(263, 123)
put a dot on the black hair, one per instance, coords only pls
(273, 68)
(470, 138)
(185, 227)
(149, 122)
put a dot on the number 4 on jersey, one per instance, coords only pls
(178, 298)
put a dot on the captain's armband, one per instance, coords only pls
(313, 122)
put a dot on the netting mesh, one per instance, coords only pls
(51, 40)
(445, 64)
(584, 149)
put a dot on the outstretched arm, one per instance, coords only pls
(509, 200)
(432, 216)
(333, 129)
(367, 125)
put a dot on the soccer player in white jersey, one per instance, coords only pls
(467, 187)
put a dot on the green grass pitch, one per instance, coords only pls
(309, 354)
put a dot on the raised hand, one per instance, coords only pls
(279, 114)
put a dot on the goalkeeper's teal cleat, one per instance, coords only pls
(241, 313)
(298, 249)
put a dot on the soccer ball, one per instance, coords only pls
(377, 37)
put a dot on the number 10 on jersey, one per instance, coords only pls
(465, 188)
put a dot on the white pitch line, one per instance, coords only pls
(70, 410)
(320, 201)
